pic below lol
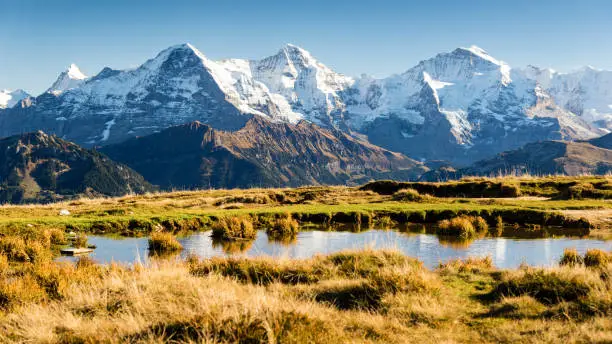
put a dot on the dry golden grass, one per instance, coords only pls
(354, 296)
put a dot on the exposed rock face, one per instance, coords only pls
(460, 106)
(259, 154)
(38, 167)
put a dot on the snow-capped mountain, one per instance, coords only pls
(68, 79)
(459, 106)
(8, 98)
(462, 106)
(300, 86)
(586, 92)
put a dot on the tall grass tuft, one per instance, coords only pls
(161, 242)
(499, 226)
(407, 195)
(571, 257)
(283, 227)
(597, 258)
(80, 240)
(463, 227)
(469, 265)
(550, 286)
(234, 228)
(14, 248)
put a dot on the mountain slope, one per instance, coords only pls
(40, 167)
(602, 142)
(538, 158)
(259, 154)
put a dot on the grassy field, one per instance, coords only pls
(522, 202)
(357, 297)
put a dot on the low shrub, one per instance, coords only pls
(234, 228)
(247, 199)
(37, 252)
(510, 190)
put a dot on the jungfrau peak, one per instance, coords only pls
(462, 105)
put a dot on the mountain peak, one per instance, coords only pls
(70, 78)
(181, 46)
(75, 73)
(478, 52)
(180, 53)
(294, 54)
(292, 48)
(10, 98)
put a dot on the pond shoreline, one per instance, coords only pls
(506, 252)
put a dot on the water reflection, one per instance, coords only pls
(505, 252)
(231, 247)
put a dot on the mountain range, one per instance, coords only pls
(183, 120)
(261, 154)
(465, 104)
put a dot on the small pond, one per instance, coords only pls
(429, 248)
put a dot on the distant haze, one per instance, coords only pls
(40, 39)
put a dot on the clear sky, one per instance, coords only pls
(39, 39)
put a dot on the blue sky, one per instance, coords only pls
(39, 39)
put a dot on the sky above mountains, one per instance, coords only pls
(39, 39)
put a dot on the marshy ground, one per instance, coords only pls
(353, 296)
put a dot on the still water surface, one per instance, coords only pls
(505, 252)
